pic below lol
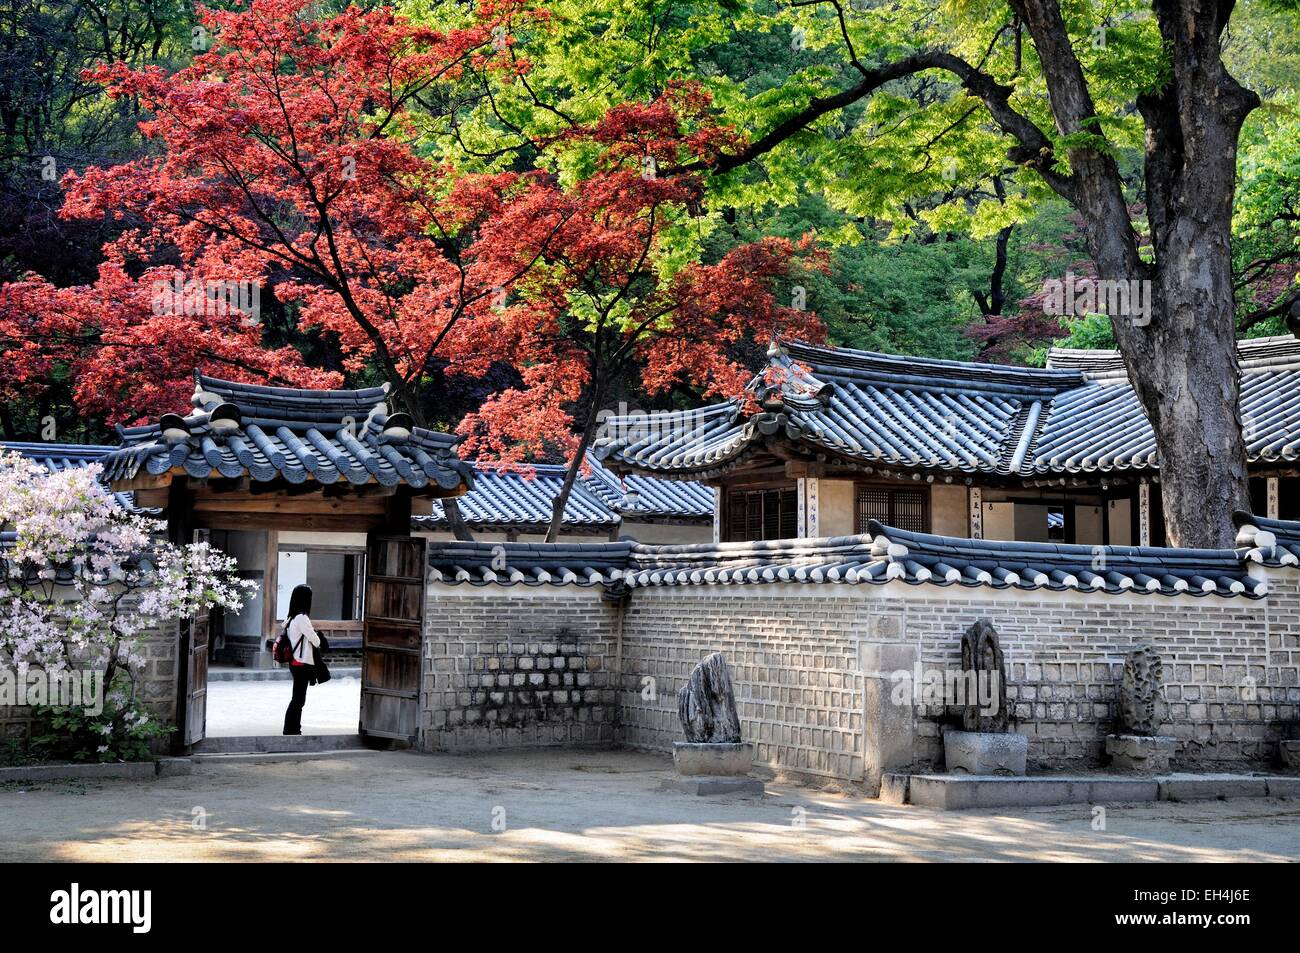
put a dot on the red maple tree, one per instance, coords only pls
(286, 156)
(601, 298)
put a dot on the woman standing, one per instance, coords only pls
(302, 640)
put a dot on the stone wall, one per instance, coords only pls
(512, 667)
(156, 683)
(816, 669)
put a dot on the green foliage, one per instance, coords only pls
(122, 731)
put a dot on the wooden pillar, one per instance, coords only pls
(976, 513)
(1274, 504)
(717, 514)
(271, 588)
(1144, 513)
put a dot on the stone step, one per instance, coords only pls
(962, 792)
(248, 744)
(276, 757)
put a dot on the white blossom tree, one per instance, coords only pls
(83, 581)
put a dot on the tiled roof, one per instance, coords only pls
(1101, 427)
(292, 434)
(635, 496)
(1271, 542)
(910, 414)
(528, 564)
(56, 457)
(520, 500)
(887, 554)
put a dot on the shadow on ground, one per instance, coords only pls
(582, 805)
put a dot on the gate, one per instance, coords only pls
(392, 635)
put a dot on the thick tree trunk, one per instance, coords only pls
(1184, 363)
(1181, 356)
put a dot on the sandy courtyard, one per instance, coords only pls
(573, 805)
(257, 707)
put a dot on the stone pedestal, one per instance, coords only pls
(1148, 754)
(984, 753)
(713, 768)
(1290, 751)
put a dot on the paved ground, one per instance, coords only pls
(566, 805)
(257, 707)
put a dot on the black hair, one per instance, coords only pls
(299, 603)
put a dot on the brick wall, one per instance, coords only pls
(799, 690)
(813, 667)
(512, 667)
(798, 662)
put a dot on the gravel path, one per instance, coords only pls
(581, 805)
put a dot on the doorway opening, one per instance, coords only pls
(247, 692)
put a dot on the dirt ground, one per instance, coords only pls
(576, 805)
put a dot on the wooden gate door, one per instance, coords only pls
(391, 640)
(196, 679)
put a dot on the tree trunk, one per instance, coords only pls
(571, 475)
(1181, 356)
(1183, 364)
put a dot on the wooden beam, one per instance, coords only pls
(152, 499)
(325, 522)
(148, 481)
(208, 502)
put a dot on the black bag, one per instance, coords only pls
(320, 671)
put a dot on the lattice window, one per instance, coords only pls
(761, 514)
(902, 507)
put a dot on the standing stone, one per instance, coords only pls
(983, 666)
(1142, 708)
(706, 704)
(986, 746)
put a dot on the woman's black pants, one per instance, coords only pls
(293, 715)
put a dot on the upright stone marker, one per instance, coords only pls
(987, 746)
(712, 759)
(1142, 712)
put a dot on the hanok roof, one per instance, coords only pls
(520, 500)
(57, 457)
(1080, 414)
(884, 555)
(638, 497)
(295, 435)
(1102, 427)
(1267, 541)
(530, 564)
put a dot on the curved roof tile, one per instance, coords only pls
(293, 434)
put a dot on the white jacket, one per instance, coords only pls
(302, 637)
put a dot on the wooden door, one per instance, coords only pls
(391, 638)
(195, 715)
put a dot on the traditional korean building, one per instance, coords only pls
(835, 438)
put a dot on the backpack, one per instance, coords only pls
(282, 651)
